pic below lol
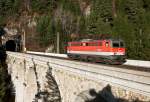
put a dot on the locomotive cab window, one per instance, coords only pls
(115, 44)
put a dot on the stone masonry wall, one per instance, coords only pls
(36, 82)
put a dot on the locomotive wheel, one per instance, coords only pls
(70, 56)
(77, 57)
(91, 59)
(83, 58)
(107, 61)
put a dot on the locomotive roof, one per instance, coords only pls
(91, 40)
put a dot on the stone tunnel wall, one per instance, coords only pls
(38, 81)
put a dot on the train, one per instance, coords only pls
(108, 51)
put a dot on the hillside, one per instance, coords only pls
(42, 20)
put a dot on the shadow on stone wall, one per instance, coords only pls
(51, 92)
(105, 95)
(7, 93)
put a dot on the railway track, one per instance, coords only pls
(129, 67)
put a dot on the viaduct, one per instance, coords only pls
(39, 78)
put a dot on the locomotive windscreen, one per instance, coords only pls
(121, 44)
(117, 44)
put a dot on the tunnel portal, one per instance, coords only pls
(10, 45)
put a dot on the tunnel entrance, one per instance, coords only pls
(10, 45)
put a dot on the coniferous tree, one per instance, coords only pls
(131, 25)
(43, 6)
(100, 18)
(1, 4)
(8, 4)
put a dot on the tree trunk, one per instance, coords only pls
(0, 41)
(114, 8)
(58, 41)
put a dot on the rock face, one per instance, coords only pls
(3, 55)
(26, 21)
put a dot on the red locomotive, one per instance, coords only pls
(108, 51)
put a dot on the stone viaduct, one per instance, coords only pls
(47, 79)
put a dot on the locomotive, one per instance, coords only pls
(108, 51)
